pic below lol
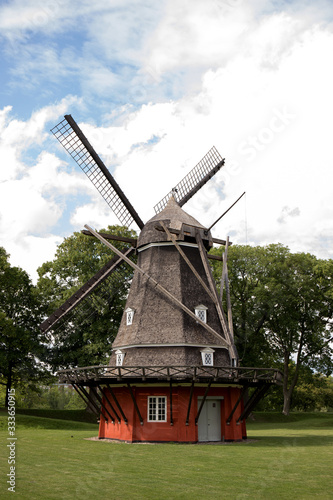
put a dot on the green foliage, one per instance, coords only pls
(282, 307)
(54, 397)
(85, 336)
(33, 395)
(21, 343)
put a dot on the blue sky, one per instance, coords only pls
(154, 85)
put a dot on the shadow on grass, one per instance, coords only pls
(291, 440)
(34, 422)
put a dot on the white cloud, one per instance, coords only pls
(252, 78)
(33, 195)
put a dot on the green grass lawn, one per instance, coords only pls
(283, 458)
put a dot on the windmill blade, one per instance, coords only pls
(84, 291)
(77, 145)
(194, 180)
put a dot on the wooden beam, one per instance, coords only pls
(196, 274)
(177, 232)
(210, 227)
(224, 268)
(254, 399)
(84, 291)
(86, 401)
(171, 416)
(111, 406)
(189, 403)
(203, 401)
(227, 291)
(102, 404)
(91, 401)
(211, 256)
(117, 403)
(211, 282)
(135, 404)
(108, 236)
(218, 303)
(236, 405)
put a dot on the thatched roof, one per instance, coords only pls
(175, 218)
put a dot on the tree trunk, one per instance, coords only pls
(288, 391)
(286, 402)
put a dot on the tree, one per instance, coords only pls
(282, 310)
(85, 336)
(20, 315)
(246, 273)
(299, 327)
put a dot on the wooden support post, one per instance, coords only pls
(86, 401)
(227, 290)
(110, 404)
(189, 403)
(117, 403)
(91, 401)
(218, 303)
(171, 417)
(203, 401)
(196, 274)
(254, 399)
(102, 404)
(224, 268)
(236, 405)
(135, 404)
(212, 285)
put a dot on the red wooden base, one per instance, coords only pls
(174, 429)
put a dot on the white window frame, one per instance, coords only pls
(201, 312)
(154, 411)
(207, 356)
(119, 357)
(129, 316)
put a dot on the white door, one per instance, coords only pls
(209, 424)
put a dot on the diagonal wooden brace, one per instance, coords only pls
(196, 274)
(159, 287)
(211, 282)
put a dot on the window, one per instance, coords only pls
(207, 356)
(157, 409)
(201, 312)
(119, 358)
(208, 361)
(129, 316)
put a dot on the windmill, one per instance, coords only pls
(173, 373)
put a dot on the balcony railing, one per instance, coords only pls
(91, 375)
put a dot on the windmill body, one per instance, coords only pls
(173, 373)
(160, 333)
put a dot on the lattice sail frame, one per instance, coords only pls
(84, 311)
(70, 136)
(194, 180)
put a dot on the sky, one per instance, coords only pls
(154, 85)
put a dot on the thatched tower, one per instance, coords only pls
(153, 331)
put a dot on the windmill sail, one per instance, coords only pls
(87, 289)
(77, 145)
(194, 180)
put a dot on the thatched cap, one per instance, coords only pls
(174, 217)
